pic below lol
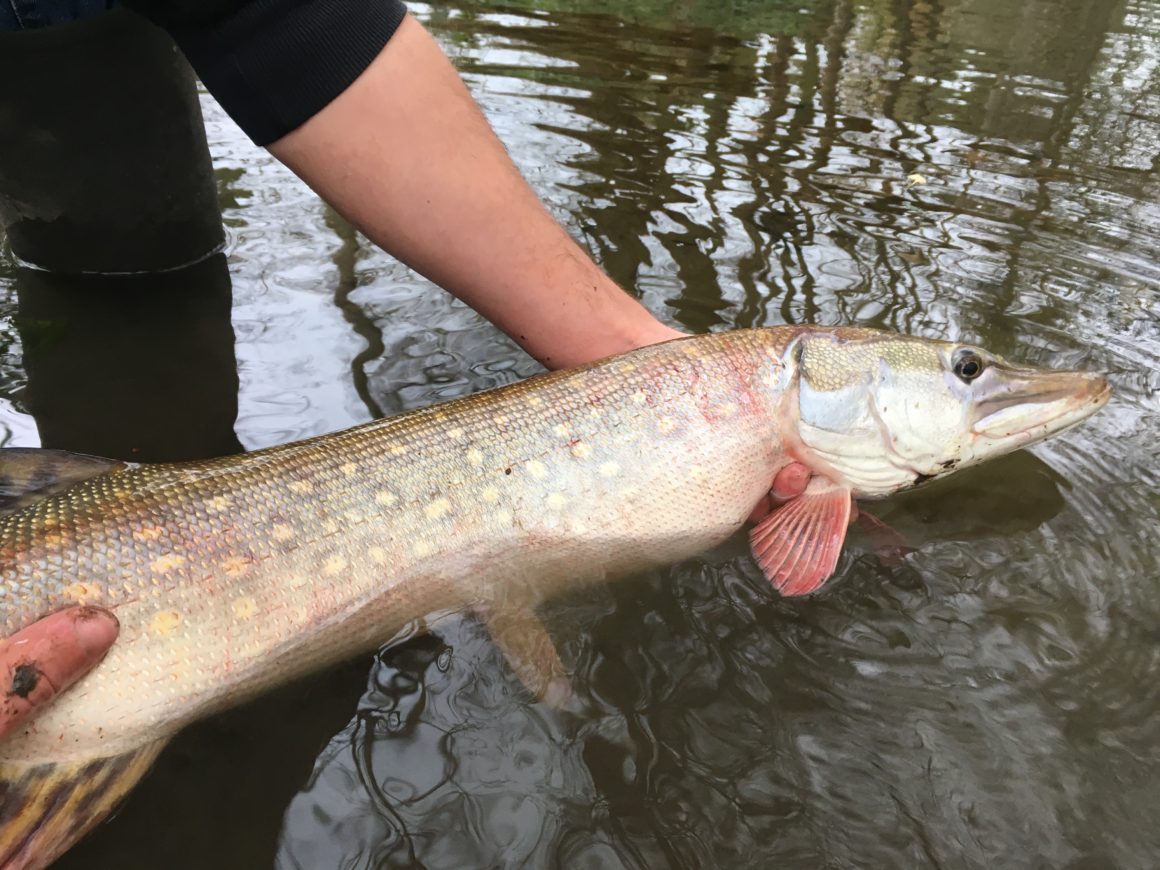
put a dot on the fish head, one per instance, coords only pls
(881, 412)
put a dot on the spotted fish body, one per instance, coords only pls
(233, 575)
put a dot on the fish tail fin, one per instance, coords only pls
(45, 808)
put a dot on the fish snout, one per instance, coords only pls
(1034, 403)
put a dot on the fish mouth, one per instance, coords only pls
(1027, 406)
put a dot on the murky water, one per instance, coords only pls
(974, 169)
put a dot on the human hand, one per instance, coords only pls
(43, 660)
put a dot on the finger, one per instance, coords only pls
(44, 659)
(790, 482)
(787, 484)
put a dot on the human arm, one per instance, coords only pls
(362, 103)
(405, 154)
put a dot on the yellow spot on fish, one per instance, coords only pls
(500, 419)
(148, 533)
(437, 508)
(81, 592)
(581, 450)
(165, 623)
(235, 566)
(594, 412)
(503, 517)
(535, 401)
(639, 398)
(244, 608)
(353, 517)
(557, 500)
(282, 532)
(302, 487)
(475, 456)
(385, 498)
(440, 416)
(455, 433)
(609, 469)
(698, 472)
(377, 555)
(330, 526)
(490, 494)
(219, 504)
(165, 564)
(666, 425)
(349, 469)
(421, 549)
(728, 409)
(334, 565)
(561, 430)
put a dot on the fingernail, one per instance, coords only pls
(95, 629)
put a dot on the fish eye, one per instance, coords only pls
(968, 365)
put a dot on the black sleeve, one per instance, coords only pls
(273, 64)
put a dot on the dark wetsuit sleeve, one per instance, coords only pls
(273, 64)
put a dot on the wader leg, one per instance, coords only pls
(103, 160)
(139, 368)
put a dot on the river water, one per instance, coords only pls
(969, 169)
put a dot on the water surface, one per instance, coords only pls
(967, 169)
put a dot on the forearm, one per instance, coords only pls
(405, 154)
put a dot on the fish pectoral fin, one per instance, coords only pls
(798, 544)
(886, 541)
(46, 807)
(530, 652)
(29, 474)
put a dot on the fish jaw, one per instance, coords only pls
(1035, 405)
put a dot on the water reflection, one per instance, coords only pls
(442, 767)
(963, 168)
(138, 368)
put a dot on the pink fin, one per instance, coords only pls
(797, 545)
(888, 543)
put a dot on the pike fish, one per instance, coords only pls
(233, 575)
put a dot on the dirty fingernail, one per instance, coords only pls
(95, 629)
